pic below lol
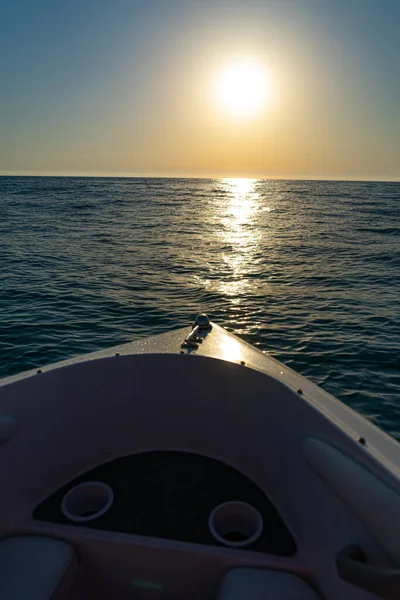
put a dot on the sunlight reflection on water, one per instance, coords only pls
(235, 209)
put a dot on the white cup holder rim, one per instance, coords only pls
(245, 511)
(95, 497)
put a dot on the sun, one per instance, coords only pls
(242, 88)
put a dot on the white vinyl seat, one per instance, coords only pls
(263, 584)
(36, 568)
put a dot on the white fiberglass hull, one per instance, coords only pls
(332, 476)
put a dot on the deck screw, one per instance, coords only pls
(242, 362)
(39, 371)
(299, 391)
(117, 354)
(362, 441)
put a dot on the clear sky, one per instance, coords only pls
(166, 87)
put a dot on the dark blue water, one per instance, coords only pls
(308, 271)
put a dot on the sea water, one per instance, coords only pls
(308, 271)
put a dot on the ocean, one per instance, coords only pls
(308, 271)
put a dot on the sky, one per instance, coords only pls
(133, 88)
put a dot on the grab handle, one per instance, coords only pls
(382, 581)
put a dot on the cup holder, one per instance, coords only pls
(87, 501)
(235, 524)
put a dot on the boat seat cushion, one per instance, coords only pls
(36, 568)
(263, 584)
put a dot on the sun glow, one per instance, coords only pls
(242, 88)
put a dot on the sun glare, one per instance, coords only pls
(242, 88)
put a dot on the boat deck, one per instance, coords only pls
(170, 495)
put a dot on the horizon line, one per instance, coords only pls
(180, 176)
